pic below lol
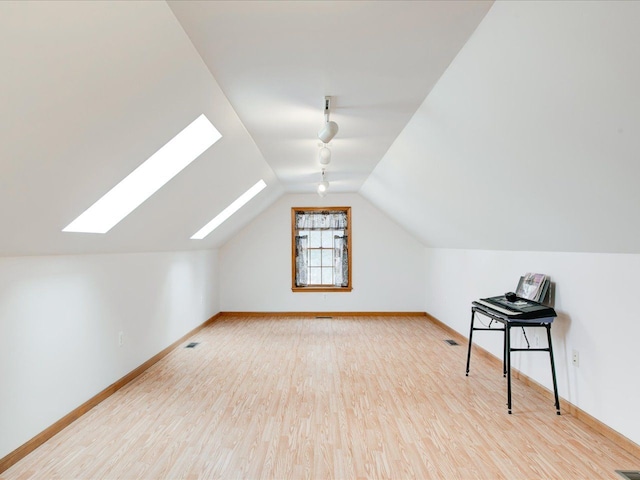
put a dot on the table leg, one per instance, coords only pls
(553, 369)
(507, 339)
(470, 338)
(504, 353)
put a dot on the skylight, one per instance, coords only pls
(147, 179)
(230, 210)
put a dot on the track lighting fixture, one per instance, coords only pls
(326, 134)
(324, 155)
(330, 128)
(323, 186)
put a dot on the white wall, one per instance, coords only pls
(387, 268)
(59, 322)
(535, 122)
(100, 103)
(595, 297)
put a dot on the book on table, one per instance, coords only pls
(533, 286)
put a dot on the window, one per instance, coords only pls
(321, 249)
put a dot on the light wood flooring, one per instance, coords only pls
(348, 397)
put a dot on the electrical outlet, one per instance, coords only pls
(120, 338)
(575, 359)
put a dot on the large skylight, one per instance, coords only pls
(147, 179)
(230, 210)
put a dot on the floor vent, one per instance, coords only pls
(629, 474)
(452, 342)
(192, 345)
(323, 317)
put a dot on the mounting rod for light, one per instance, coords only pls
(330, 128)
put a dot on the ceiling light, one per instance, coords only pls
(230, 210)
(330, 128)
(329, 131)
(323, 186)
(324, 155)
(147, 179)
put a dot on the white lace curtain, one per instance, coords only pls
(302, 260)
(340, 261)
(321, 220)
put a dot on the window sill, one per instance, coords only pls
(321, 289)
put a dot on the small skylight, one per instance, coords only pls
(230, 210)
(147, 179)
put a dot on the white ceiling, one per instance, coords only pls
(276, 61)
(455, 117)
(92, 89)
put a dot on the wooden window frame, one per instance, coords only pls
(320, 288)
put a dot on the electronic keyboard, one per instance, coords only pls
(520, 309)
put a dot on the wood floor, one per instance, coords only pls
(349, 397)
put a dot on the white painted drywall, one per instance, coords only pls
(534, 126)
(388, 273)
(596, 301)
(85, 100)
(60, 317)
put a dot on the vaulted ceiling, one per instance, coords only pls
(531, 138)
(277, 60)
(510, 126)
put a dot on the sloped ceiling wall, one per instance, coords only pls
(530, 140)
(89, 91)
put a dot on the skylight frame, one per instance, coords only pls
(147, 178)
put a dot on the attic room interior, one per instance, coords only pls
(477, 141)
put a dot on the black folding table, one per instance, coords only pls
(508, 321)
